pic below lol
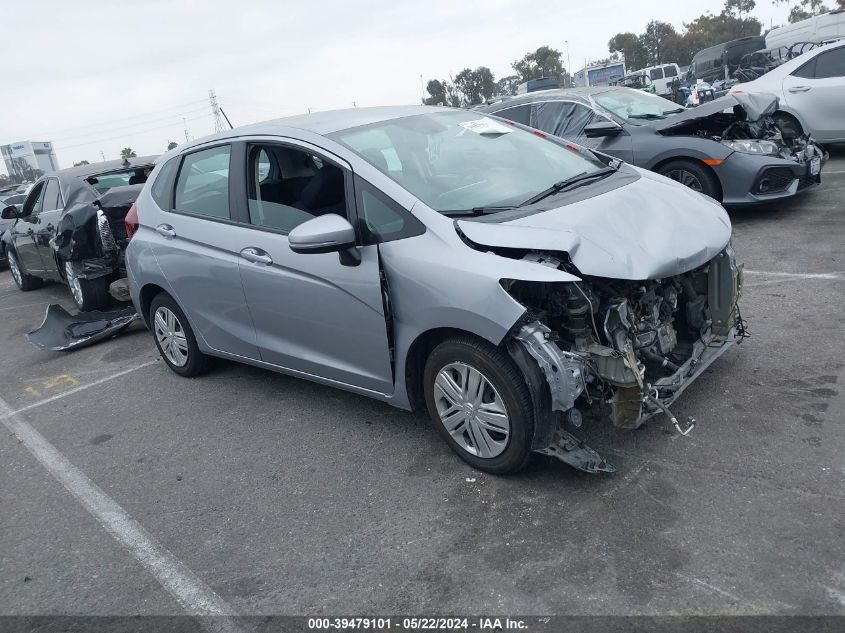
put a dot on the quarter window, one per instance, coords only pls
(381, 218)
(162, 189)
(202, 187)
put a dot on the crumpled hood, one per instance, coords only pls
(648, 229)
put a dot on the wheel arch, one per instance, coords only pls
(697, 161)
(145, 299)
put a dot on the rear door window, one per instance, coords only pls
(562, 118)
(831, 64)
(52, 196)
(670, 71)
(202, 187)
(656, 73)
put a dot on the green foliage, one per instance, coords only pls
(506, 86)
(171, 145)
(80, 163)
(475, 86)
(807, 8)
(127, 152)
(660, 43)
(544, 62)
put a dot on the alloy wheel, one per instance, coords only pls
(686, 178)
(73, 283)
(13, 267)
(171, 336)
(471, 410)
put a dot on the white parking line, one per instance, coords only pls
(189, 591)
(70, 392)
(765, 273)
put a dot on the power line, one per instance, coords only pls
(109, 130)
(113, 138)
(118, 120)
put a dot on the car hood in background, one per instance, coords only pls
(649, 229)
(756, 106)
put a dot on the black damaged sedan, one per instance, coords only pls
(738, 149)
(71, 228)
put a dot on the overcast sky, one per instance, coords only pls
(95, 76)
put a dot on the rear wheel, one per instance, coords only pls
(23, 281)
(478, 401)
(88, 294)
(692, 174)
(175, 338)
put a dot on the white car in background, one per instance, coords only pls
(811, 90)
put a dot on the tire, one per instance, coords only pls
(692, 174)
(182, 354)
(473, 437)
(88, 294)
(23, 281)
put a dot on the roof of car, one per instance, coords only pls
(84, 171)
(545, 95)
(322, 123)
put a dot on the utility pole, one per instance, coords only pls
(568, 64)
(103, 155)
(185, 123)
(215, 112)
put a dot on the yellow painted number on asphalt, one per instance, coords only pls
(56, 382)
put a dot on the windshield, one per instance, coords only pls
(636, 106)
(132, 176)
(465, 160)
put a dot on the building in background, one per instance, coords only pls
(24, 158)
(599, 74)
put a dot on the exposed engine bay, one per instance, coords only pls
(629, 347)
(752, 118)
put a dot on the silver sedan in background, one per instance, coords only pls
(438, 259)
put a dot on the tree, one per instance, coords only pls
(628, 44)
(507, 86)
(172, 145)
(80, 163)
(436, 90)
(475, 86)
(739, 7)
(127, 152)
(656, 33)
(806, 8)
(544, 62)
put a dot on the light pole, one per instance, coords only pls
(568, 65)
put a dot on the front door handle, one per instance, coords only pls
(165, 230)
(256, 256)
(799, 89)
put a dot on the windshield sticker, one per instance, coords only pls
(485, 126)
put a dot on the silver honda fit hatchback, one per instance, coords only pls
(438, 259)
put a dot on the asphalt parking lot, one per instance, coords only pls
(284, 497)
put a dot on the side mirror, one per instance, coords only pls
(9, 213)
(328, 233)
(602, 128)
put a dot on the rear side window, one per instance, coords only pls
(202, 187)
(52, 197)
(562, 118)
(162, 189)
(831, 64)
(517, 114)
(670, 71)
(807, 71)
(656, 73)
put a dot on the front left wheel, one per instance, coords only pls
(479, 402)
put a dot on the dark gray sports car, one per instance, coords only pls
(736, 149)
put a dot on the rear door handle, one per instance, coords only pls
(256, 256)
(799, 89)
(165, 230)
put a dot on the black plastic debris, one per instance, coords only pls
(62, 331)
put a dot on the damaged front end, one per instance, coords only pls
(765, 142)
(92, 235)
(625, 348)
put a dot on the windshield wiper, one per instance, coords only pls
(570, 183)
(476, 211)
(649, 116)
(675, 111)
